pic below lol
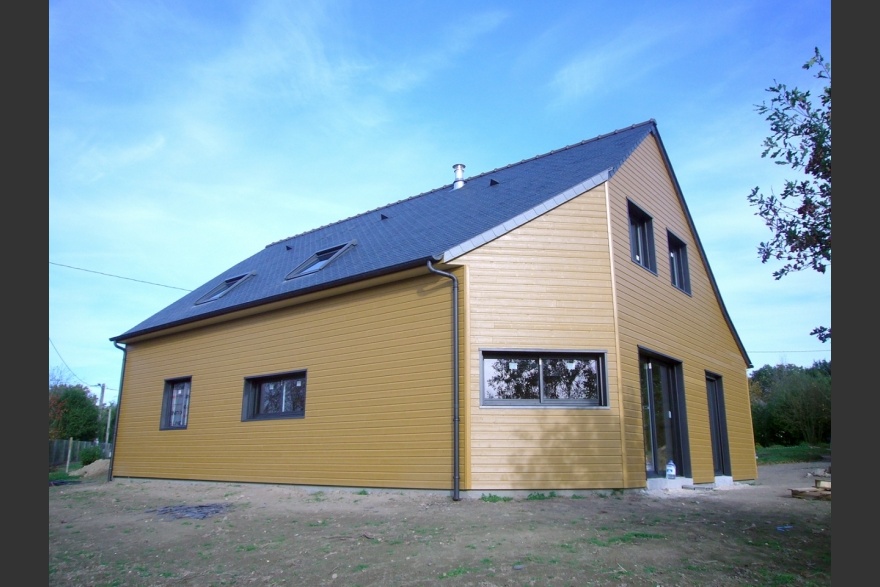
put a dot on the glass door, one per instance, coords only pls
(660, 416)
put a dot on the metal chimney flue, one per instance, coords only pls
(459, 176)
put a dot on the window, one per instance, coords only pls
(175, 404)
(222, 289)
(641, 236)
(547, 379)
(275, 396)
(319, 260)
(678, 263)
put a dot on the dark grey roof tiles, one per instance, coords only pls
(411, 231)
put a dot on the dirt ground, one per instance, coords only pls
(133, 532)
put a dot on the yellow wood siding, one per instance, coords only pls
(545, 285)
(378, 400)
(689, 328)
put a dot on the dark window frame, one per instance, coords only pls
(223, 288)
(183, 385)
(546, 361)
(257, 403)
(641, 236)
(319, 260)
(678, 263)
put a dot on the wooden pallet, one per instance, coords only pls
(822, 491)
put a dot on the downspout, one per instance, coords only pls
(118, 406)
(455, 367)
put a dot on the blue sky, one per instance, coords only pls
(185, 136)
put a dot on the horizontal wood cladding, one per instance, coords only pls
(546, 285)
(378, 394)
(689, 328)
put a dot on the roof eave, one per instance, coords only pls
(422, 261)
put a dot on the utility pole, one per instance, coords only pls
(109, 417)
(101, 401)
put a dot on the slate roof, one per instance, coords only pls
(438, 225)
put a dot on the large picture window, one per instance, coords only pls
(175, 404)
(281, 395)
(547, 379)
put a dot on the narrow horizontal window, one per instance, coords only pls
(568, 379)
(275, 396)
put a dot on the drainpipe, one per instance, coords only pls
(455, 409)
(118, 406)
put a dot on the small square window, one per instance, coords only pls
(275, 396)
(318, 261)
(678, 263)
(175, 404)
(223, 288)
(546, 379)
(641, 235)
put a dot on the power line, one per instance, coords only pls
(117, 276)
(71, 370)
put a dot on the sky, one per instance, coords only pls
(185, 136)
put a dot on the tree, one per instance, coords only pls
(800, 217)
(791, 404)
(73, 412)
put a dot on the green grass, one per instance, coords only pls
(802, 453)
(60, 474)
(492, 498)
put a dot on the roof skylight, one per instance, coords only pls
(319, 260)
(223, 288)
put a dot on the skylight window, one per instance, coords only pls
(223, 288)
(319, 260)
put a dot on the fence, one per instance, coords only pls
(59, 450)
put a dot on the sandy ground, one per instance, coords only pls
(152, 532)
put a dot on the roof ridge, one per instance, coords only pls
(650, 121)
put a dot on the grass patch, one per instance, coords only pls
(456, 572)
(802, 453)
(492, 498)
(363, 492)
(539, 496)
(62, 475)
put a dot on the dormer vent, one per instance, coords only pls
(459, 176)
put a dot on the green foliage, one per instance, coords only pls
(90, 454)
(800, 217)
(539, 496)
(62, 475)
(492, 498)
(800, 453)
(791, 405)
(73, 412)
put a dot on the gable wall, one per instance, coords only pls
(545, 285)
(692, 329)
(378, 399)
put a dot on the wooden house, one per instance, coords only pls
(549, 325)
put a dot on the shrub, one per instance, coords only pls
(90, 454)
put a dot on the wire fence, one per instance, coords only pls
(62, 450)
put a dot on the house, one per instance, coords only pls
(549, 325)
